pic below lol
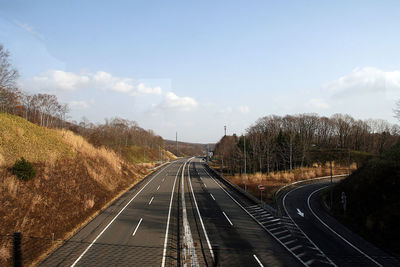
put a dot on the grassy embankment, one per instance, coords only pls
(74, 182)
(373, 200)
(274, 180)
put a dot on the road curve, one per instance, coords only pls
(342, 246)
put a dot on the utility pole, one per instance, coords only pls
(225, 130)
(159, 150)
(245, 173)
(208, 152)
(331, 186)
(176, 137)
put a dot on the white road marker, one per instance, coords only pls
(212, 196)
(116, 216)
(258, 261)
(327, 226)
(137, 226)
(227, 218)
(300, 213)
(151, 200)
(158, 188)
(205, 185)
(248, 213)
(169, 216)
(290, 217)
(201, 219)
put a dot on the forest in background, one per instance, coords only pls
(279, 143)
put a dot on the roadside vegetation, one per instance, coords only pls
(275, 180)
(74, 180)
(281, 150)
(55, 175)
(373, 200)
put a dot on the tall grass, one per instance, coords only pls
(274, 180)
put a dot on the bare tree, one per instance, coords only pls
(9, 94)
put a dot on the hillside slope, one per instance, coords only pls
(373, 200)
(74, 180)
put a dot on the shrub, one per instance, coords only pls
(23, 169)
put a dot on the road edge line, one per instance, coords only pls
(108, 225)
(327, 226)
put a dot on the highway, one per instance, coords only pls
(232, 235)
(341, 245)
(138, 229)
(178, 208)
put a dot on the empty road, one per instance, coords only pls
(341, 245)
(136, 230)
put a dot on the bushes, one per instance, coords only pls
(23, 169)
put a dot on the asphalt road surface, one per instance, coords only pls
(341, 245)
(136, 230)
(233, 237)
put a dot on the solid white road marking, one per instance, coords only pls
(134, 232)
(212, 196)
(300, 213)
(301, 231)
(169, 216)
(108, 225)
(258, 261)
(151, 200)
(345, 240)
(158, 188)
(277, 239)
(198, 212)
(227, 218)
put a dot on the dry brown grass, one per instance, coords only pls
(274, 180)
(74, 182)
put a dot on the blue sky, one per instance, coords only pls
(195, 66)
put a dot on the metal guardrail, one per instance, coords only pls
(307, 181)
(264, 205)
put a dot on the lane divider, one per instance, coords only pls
(168, 220)
(227, 218)
(200, 218)
(134, 232)
(258, 261)
(189, 252)
(212, 196)
(116, 216)
(151, 200)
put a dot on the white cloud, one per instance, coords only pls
(244, 109)
(58, 80)
(78, 104)
(173, 102)
(318, 103)
(141, 88)
(366, 80)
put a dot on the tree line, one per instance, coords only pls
(46, 110)
(42, 109)
(117, 133)
(276, 143)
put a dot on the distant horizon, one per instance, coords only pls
(192, 68)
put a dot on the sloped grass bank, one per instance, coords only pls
(373, 200)
(74, 181)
